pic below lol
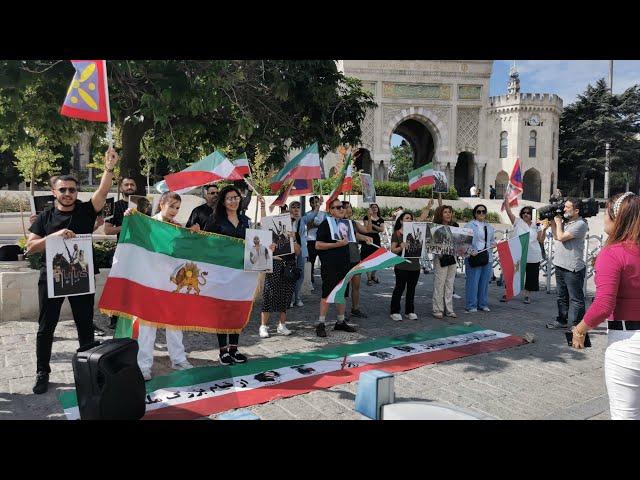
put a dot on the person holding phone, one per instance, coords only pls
(618, 301)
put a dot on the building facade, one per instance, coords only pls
(443, 110)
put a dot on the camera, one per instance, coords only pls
(588, 208)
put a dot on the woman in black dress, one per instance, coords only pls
(375, 225)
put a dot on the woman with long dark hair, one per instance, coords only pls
(618, 301)
(374, 225)
(407, 273)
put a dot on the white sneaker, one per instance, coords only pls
(292, 304)
(411, 316)
(283, 330)
(299, 303)
(485, 309)
(146, 374)
(264, 331)
(182, 365)
(456, 296)
(396, 317)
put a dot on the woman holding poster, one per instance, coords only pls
(407, 274)
(444, 268)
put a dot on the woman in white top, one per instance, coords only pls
(526, 223)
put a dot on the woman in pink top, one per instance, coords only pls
(618, 300)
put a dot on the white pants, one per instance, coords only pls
(443, 287)
(146, 343)
(622, 374)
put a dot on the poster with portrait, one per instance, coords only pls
(41, 203)
(107, 210)
(441, 184)
(341, 228)
(257, 256)
(279, 226)
(414, 235)
(448, 240)
(141, 203)
(69, 265)
(368, 189)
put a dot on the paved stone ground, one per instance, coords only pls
(542, 380)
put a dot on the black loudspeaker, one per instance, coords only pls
(109, 383)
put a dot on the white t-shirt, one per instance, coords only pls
(534, 254)
(472, 191)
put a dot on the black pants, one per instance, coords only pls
(408, 279)
(313, 254)
(82, 309)
(225, 339)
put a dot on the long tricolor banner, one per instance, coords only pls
(171, 277)
(204, 391)
(513, 261)
(381, 258)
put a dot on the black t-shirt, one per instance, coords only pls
(334, 256)
(199, 215)
(80, 220)
(119, 208)
(224, 227)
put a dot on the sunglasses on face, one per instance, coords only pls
(526, 213)
(64, 190)
(212, 193)
(338, 207)
(481, 212)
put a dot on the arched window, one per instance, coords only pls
(504, 143)
(532, 143)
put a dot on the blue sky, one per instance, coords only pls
(566, 78)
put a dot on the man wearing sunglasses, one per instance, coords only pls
(201, 213)
(68, 218)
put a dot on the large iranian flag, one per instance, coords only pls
(212, 168)
(305, 165)
(168, 276)
(421, 177)
(381, 258)
(513, 261)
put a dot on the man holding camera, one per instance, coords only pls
(569, 262)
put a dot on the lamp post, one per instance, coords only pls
(607, 164)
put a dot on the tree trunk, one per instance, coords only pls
(132, 134)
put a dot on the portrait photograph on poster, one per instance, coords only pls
(450, 240)
(341, 228)
(441, 184)
(257, 256)
(69, 265)
(41, 203)
(141, 203)
(368, 188)
(414, 235)
(107, 210)
(279, 226)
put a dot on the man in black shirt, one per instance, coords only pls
(201, 213)
(69, 217)
(334, 257)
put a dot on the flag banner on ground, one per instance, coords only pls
(344, 181)
(515, 187)
(241, 165)
(302, 186)
(513, 261)
(203, 391)
(168, 276)
(305, 165)
(281, 199)
(212, 168)
(87, 97)
(421, 177)
(381, 258)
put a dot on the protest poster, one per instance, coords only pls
(141, 203)
(279, 226)
(257, 256)
(341, 228)
(41, 203)
(368, 188)
(107, 210)
(414, 236)
(448, 240)
(440, 182)
(69, 265)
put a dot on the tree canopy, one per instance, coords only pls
(401, 162)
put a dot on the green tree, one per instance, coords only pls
(35, 161)
(401, 162)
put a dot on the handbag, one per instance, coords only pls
(482, 258)
(447, 260)
(291, 273)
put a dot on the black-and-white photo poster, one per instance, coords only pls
(107, 210)
(279, 226)
(41, 203)
(257, 256)
(69, 265)
(341, 228)
(414, 235)
(440, 184)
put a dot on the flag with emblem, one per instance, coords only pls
(212, 168)
(167, 276)
(87, 97)
(513, 261)
(421, 177)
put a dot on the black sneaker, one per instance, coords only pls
(226, 359)
(344, 326)
(238, 357)
(320, 330)
(359, 313)
(42, 383)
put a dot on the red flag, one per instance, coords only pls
(514, 189)
(87, 97)
(282, 198)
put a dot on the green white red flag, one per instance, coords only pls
(345, 182)
(421, 177)
(305, 165)
(212, 168)
(513, 261)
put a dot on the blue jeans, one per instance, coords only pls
(476, 287)
(300, 261)
(570, 291)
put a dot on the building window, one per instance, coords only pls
(532, 143)
(504, 143)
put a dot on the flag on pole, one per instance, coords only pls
(87, 97)
(212, 168)
(302, 186)
(284, 194)
(513, 261)
(421, 177)
(170, 277)
(381, 258)
(345, 182)
(305, 165)
(242, 165)
(515, 188)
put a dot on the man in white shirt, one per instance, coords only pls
(473, 190)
